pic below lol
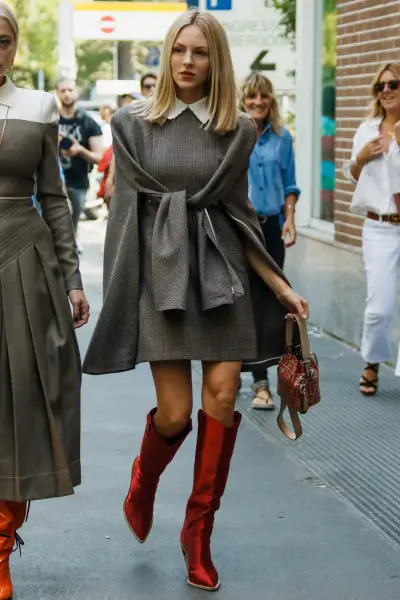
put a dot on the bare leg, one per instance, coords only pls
(167, 427)
(220, 384)
(173, 382)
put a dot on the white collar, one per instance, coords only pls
(374, 122)
(8, 92)
(199, 109)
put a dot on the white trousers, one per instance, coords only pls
(381, 250)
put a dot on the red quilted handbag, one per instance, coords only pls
(298, 378)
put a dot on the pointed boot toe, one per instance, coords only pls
(201, 571)
(215, 445)
(155, 455)
(139, 504)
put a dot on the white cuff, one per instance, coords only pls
(346, 170)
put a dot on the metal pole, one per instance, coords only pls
(66, 42)
(115, 59)
(41, 79)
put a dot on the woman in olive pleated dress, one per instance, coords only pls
(180, 238)
(40, 374)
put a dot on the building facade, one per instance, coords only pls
(340, 46)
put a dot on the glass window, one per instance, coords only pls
(325, 211)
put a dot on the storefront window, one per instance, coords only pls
(328, 112)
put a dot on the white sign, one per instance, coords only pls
(253, 27)
(92, 22)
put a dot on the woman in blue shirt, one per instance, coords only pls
(272, 189)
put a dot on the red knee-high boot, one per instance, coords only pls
(155, 455)
(215, 445)
(12, 516)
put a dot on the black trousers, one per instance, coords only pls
(271, 227)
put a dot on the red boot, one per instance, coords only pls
(215, 445)
(155, 455)
(12, 516)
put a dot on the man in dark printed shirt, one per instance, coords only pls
(81, 145)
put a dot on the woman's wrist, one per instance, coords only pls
(290, 210)
(359, 163)
(278, 286)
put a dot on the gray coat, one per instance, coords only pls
(113, 346)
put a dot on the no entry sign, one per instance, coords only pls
(147, 21)
(107, 24)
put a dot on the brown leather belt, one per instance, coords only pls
(394, 218)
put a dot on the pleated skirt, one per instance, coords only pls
(40, 374)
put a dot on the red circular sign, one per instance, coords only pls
(107, 24)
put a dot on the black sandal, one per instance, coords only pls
(367, 384)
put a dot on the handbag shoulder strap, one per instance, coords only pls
(297, 428)
(304, 341)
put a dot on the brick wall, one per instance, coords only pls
(367, 36)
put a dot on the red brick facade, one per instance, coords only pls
(367, 36)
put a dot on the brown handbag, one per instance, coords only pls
(298, 378)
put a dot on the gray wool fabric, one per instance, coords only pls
(174, 250)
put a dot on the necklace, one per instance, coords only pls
(4, 126)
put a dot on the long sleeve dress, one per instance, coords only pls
(40, 372)
(176, 275)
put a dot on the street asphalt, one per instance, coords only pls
(283, 533)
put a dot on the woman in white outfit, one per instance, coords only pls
(375, 169)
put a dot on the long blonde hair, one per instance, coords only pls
(221, 87)
(257, 83)
(376, 109)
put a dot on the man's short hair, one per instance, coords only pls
(64, 79)
(110, 105)
(145, 76)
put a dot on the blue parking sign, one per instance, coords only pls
(219, 4)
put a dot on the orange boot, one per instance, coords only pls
(12, 516)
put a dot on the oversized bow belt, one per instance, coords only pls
(219, 284)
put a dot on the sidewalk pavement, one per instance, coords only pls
(317, 519)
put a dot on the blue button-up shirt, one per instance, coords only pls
(272, 174)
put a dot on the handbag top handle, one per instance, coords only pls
(305, 344)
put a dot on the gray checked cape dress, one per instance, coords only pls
(39, 360)
(176, 278)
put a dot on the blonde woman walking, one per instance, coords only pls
(180, 239)
(273, 191)
(39, 359)
(375, 170)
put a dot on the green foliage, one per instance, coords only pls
(38, 48)
(288, 19)
(38, 41)
(95, 61)
(330, 37)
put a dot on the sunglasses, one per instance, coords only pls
(393, 84)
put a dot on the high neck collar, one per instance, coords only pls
(8, 93)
